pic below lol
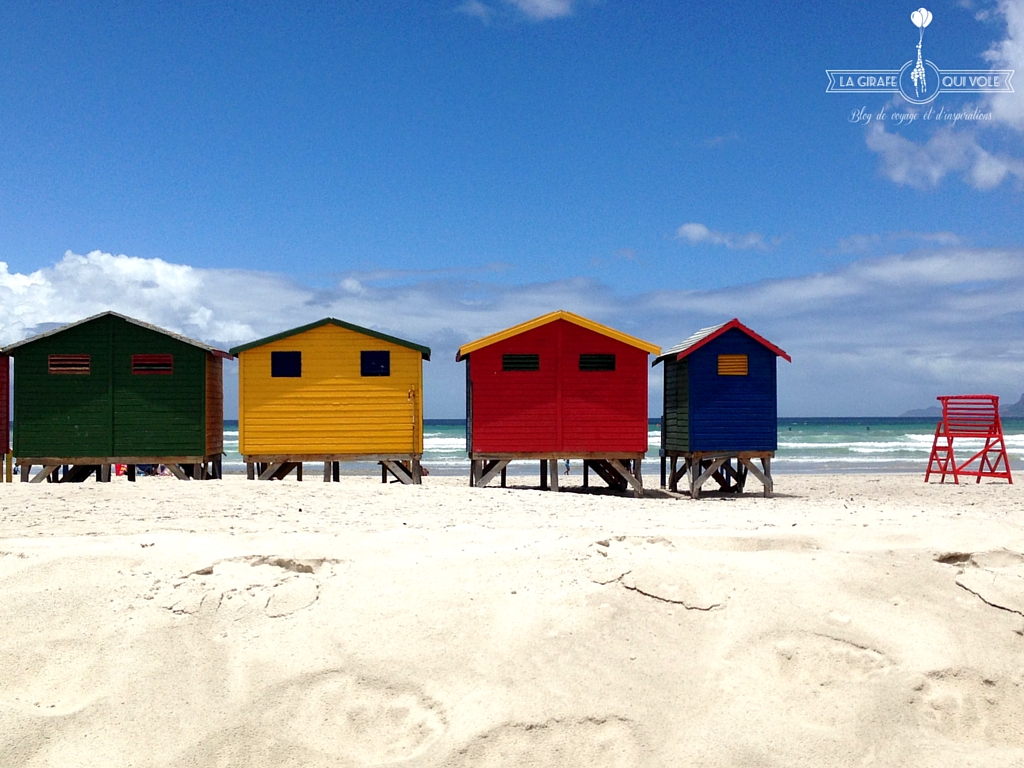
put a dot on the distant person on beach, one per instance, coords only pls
(567, 466)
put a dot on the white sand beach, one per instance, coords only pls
(851, 620)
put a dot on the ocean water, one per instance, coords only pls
(866, 445)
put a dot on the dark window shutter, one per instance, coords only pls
(375, 363)
(287, 365)
(520, 362)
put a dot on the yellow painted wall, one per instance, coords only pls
(331, 408)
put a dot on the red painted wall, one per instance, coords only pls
(559, 408)
(5, 399)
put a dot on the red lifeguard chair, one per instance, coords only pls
(975, 417)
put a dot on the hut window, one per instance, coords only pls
(520, 362)
(69, 364)
(153, 364)
(597, 362)
(375, 363)
(732, 365)
(286, 365)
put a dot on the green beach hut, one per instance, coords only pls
(113, 390)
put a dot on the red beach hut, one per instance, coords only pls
(559, 386)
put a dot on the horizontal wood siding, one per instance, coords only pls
(214, 405)
(733, 413)
(602, 410)
(64, 414)
(158, 414)
(675, 431)
(558, 408)
(5, 395)
(515, 411)
(331, 408)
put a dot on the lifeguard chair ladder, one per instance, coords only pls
(969, 416)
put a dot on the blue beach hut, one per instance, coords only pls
(720, 407)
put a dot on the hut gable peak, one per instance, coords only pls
(119, 316)
(424, 351)
(706, 335)
(551, 317)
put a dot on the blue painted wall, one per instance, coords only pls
(733, 413)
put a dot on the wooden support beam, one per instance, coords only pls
(765, 477)
(131, 473)
(298, 472)
(543, 474)
(664, 460)
(9, 467)
(177, 471)
(327, 471)
(104, 473)
(504, 479)
(553, 472)
(399, 470)
(44, 473)
(629, 477)
(336, 469)
(695, 485)
(493, 468)
(586, 473)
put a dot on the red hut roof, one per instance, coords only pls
(551, 317)
(705, 335)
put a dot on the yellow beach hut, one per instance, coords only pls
(330, 392)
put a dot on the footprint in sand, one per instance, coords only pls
(810, 678)
(327, 719)
(964, 705)
(586, 743)
(248, 586)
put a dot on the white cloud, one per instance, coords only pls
(538, 10)
(476, 9)
(699, 234)
(1008, 108)
(948, 151)
(874, 337)
(543, 9)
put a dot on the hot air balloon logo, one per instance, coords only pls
(922, 17)
(920, 81)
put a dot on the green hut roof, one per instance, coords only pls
(425, 351)
(132, 320)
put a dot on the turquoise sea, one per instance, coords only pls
(865, 445)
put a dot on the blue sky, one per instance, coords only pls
(440, 170)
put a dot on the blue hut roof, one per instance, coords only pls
(705, 335)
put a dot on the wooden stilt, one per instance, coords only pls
(503, 478)
(131, 473)
(586, 473)
(298, 472)
(663, 468)
(553, 471)
(543, 475)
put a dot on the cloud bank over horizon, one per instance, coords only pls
(873, 337)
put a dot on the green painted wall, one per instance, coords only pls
(110, 411)
(675, 430)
